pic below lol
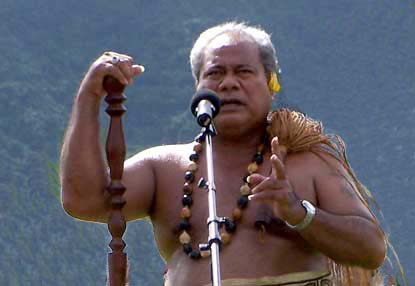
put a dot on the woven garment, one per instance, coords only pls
(292, 279)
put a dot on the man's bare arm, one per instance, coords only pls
(343, 228)
(82, 168)
(83, 172)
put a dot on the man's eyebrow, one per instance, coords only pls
(219, 65)
(244, 66)
(214, 66)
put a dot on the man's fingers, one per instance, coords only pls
(137, 69)
(268, 195)
(268, 184)
(278, 157)
(278, 168)
(125, 68)
(274, 145)
(116, 72)
(111, 54)
(125, 64)
(262, 185)
(255, 179)
(277, 149)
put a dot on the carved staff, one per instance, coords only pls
(115, 150)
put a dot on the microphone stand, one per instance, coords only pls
(213, 221)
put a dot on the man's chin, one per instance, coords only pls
(229, 119)
(232, 124)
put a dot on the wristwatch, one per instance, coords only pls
(310, 213)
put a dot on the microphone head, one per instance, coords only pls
(205, 94)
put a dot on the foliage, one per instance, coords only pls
(349, 64)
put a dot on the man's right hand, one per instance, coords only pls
(120, 66)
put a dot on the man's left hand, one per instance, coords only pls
(276, 188)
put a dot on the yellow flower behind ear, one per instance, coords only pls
(274, 84)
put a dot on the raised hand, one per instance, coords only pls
(276, 188)
(120, 66)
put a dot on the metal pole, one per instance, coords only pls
(213, 221)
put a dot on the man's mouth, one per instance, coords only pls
(231, 102)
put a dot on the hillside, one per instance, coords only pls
(350, 64)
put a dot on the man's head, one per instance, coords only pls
(261, 38)
(236, 62)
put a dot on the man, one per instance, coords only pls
(298, 216)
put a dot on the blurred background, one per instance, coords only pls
(350, 64)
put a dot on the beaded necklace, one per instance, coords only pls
(229, 226)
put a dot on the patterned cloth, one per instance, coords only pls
(292, 279)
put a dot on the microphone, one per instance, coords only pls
(205, 106)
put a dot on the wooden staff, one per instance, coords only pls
(115, 150)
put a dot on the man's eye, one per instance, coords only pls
(213, 73)
(245, 71)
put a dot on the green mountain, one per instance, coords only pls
(349, 63)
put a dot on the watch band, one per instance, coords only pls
(310, 213)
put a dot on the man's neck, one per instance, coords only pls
(233, 145)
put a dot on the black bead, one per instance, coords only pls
(200, 138)
(188, 176)
(187, 200)
(194, 157)
(184, 225)
(195, 254)
(258, 158)
(187, 248)
(243, 202)
(230, 226)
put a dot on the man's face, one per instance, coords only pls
(233, 69)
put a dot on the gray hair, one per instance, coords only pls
(257, 34)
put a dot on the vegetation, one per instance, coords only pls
(349, 64)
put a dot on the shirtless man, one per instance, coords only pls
(312, 208)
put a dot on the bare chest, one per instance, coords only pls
(280, 241)
(170, 201)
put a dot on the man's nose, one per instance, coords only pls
(229, 82)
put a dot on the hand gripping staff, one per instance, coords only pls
(115, 151)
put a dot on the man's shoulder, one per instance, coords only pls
(162, 153)
(317, 160)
